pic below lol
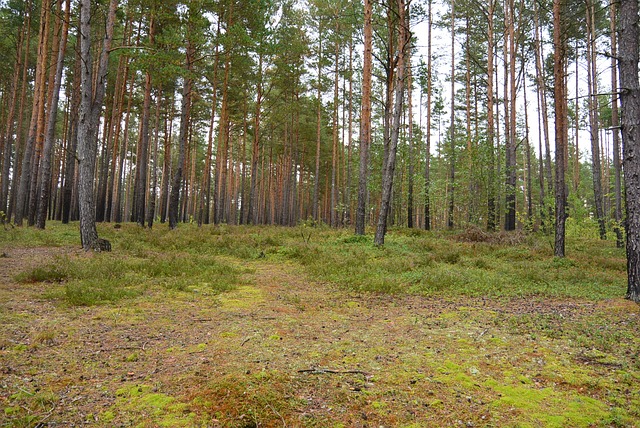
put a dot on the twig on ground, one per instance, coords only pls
(284, 423)
(329, 371)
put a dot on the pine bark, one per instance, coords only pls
(615, 128)
(185, 115)
(560, 116)
(89, 117)
(510, 158)
(404, 38)
(452, 127)
(22, 196)
(365, 119)
(316, 178)
(427, 161)
(628, 41)
(47, 151)
(491, 195)
(594, 118)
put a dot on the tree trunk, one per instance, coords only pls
(452, 155)
(594, 118)
(334, 154)
(88, 122)
(491, 195)
(615, 128)
(347, 188)
(411, 159)
(365, 119)
(427, 155)
(47, 151)
(151, 210)
(404, 40)
(316, 179)
(23, 192)
(185, 114)
(510, 132)
(560, 115)
(255, 149)
(628, 41)
(205, 188)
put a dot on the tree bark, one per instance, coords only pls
(316, 179)
(404, 39)
(452, 154)
(334, 154)
(628, 41)
(427, 155)
(365, 119)
(615, 128)
(491, 195)
(22, 196)
(185, 114)
(510, 158)
(560, 116)
(90, 107)
(47, 151)
(594, 118)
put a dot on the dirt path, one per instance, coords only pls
(280, 350)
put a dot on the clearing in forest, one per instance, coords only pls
(250, 326)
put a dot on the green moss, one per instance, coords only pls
(149, 408)
(244, 297)
(550, 407)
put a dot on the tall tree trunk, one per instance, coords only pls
(17, 170)
(365, 119)
(7, 152)
(316, 179)
(560, 116)
(151, 210)
(90, 107)
(123, 74)
(223, 141)
(491, 201)
(541, 91)
(510, 133)
(26, 172)
(47, 151)
(255, 151)
(347, 188)
(72, 145)
(527, 155)
(615, 128)
(411, 147)
(47, 76)
(452, 155)
(404, 39)
(594, 118)
(628, 41)
(185, 116)
(334, 155)
(205, 188)
(166, 163)
(142, 158)
(576, 157)
(427, 154)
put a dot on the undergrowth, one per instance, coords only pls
(540, 342)
(470, 263)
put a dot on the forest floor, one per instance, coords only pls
(284, 347)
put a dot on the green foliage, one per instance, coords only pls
(412, 261)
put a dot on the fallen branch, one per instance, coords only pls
(329, 371)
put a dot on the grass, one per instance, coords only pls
(225, 326)
(412, 261)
